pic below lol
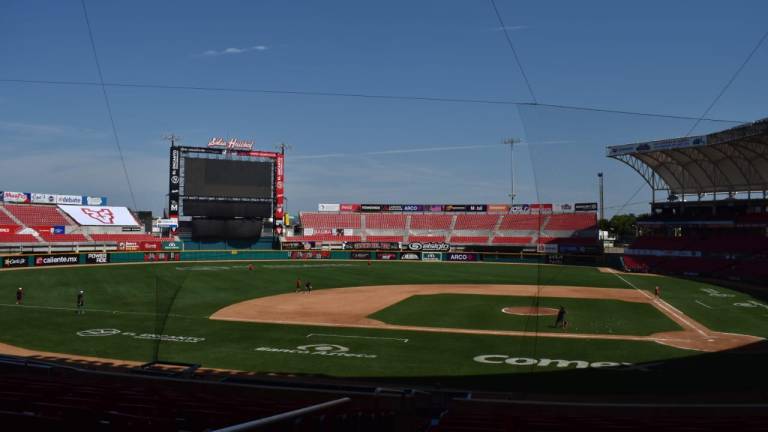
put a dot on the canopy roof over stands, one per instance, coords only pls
(733, 160)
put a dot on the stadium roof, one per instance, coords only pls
(733, 160)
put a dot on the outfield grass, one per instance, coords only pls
(135, 299)
(484, 312)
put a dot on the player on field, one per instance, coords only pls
(657, 291)
(561, 321)
(308, 287)
(299, 286)
(81, 302)
(20, 296)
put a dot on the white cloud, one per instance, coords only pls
(234, 50)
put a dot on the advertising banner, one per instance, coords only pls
(461, 257)
(173, 182)
(541, 208)
(15, 261)
(16, 197)
(371, 207)
(372, 245)
(100, 216)
(230, 144)
(172, 245)
(168, 223)
(413, 208)
(548, 248)
(361, 255)
(150, 245)
(393, 207)
(435, 246)
(279, 186)
(455, 207)
(498, 208)
(162, 256)
(310, 254)
(56, 259)
(435, 208)
(386, 256)
(294, 245)
(520, 209)
(38, 198)
(667, 144)
(329, 207)
(410, 256)
(350, 207)
(585, 207)
(9, 229)
(562, 208)
(94, 201)
(97, 258)
(69, 199)
(127, 246)
(59, 229)
(431, 256)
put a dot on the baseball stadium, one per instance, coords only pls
(223, 310)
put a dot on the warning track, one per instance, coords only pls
(350, 307)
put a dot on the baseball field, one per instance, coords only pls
(480, 325)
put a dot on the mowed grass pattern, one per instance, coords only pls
(484, 312)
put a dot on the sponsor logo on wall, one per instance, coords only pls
(16, 197)
(310, 254)
(466, 257)
(371, 207)
(580, 207)
(170, 245)
(386, 256)
(15, 261)
(162, 256)
(410, 256)
(435, 246)
(97, 258)
(59, 259)
(38, 198)
(328, 207)
(361, 255)
(431, 256)
(69, 199)
(372, 245)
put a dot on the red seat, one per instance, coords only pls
(37, 214)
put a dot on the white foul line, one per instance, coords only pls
(115, 312)
(356, 337)
(709, 307)
(664, 305)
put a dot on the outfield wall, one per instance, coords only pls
(96, 258)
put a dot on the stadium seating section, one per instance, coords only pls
(457, 228)
(30, 215)
(41, 218)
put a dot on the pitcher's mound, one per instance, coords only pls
(529, 310)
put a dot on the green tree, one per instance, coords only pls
(623, 226)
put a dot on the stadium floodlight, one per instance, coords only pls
(511, 143)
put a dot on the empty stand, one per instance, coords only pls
(427, 238)
(571, 222)
(431, 221)
(17, 238)
(481, 221)
(521, 222)
(468, 239)
(330, 220)
(38, 215)
(128, 237)
(385, 221)
(505, 240)
(62, 238)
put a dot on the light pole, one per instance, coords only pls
(600, 186)
(511, 143)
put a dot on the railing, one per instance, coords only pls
(290, 415)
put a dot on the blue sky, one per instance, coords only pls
(651, 56)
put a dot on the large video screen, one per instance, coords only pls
(227, 209)
(227, 178)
